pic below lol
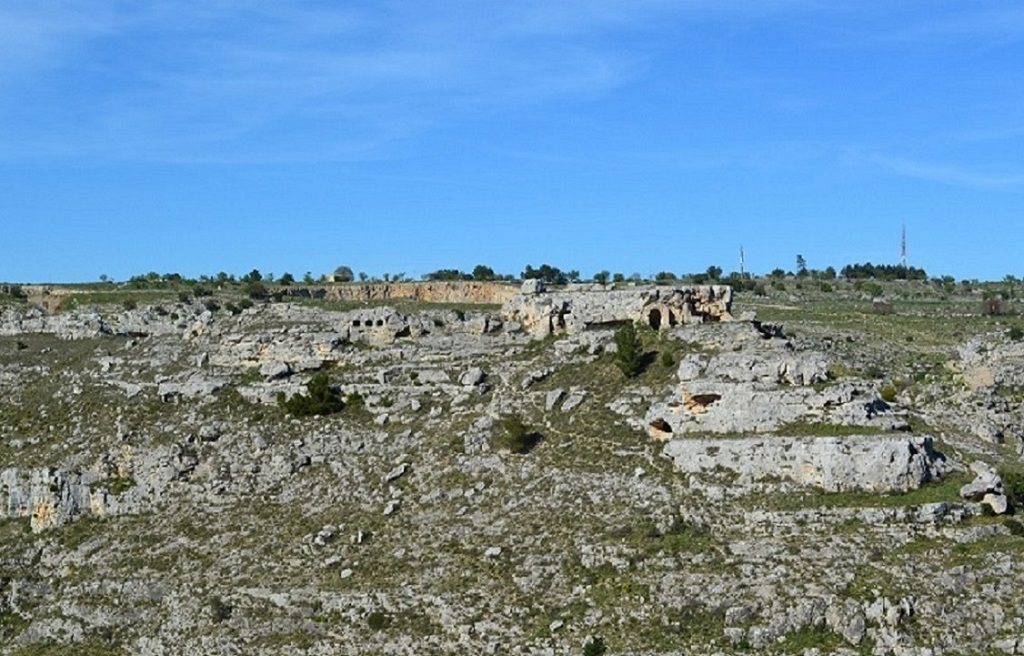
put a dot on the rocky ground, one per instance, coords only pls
(835, 480)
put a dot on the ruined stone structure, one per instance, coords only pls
(456, 291)
(581, 307)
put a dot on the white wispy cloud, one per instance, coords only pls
(949, 174)
(173, 80)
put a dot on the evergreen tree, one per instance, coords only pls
(630, 355)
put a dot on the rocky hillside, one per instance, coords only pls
(816, 476)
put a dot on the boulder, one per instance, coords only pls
(532, 286)
(472, 377)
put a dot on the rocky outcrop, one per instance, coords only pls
(470, 292)
(581, 307)
(834, 464)
(755, 385)
(50, 497)
(987, 488)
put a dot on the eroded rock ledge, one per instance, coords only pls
(869, 463)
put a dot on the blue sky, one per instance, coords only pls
(629, 135)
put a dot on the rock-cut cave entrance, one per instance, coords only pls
(654, 318)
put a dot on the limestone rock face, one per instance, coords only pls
(50, 497)
(756, 382)
(987, 487)
(582, 307)
(834, 464)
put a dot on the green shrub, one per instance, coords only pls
(874, 371)
(245, 303)
(1015, 334)
(183, 297)
(199, 291)
(220, 610)
(320, 400)
(120, 485)
(1013, 485)
(629, 357)
(377, 620)
(212, 306)
(130, 304)
(256, 290)
(667, 360)
(513, 435)
(594, 647)
(825, 287)
(888, 393)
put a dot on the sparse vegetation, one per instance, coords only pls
(629, 356)
(594, 647)
(515, 436)
(320, 399)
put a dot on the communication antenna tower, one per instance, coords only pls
(903, 247)
(742, 261)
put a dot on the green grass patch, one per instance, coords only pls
(945, 490)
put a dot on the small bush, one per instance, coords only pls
(212, 306)
(245, 304)
(199, 291)
(825, 287)
(759, 289)
(1015, 527)
(594, 647)
(377, 621)
(1013, 485)
(183, 297)
(874, 372)
(120, 485)
(629, 357)
(130, 304)
(1015, 334)
(513, 435)
(667, 360)
(320, 400)
(256, 290)
(220, 610)
(888, 393)
(778, 285)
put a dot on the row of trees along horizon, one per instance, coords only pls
(864, 276)
(547, 273)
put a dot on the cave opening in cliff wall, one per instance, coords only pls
(672, 320)
(660, 430)
(654, 318)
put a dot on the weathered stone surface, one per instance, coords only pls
(835, 464)
(472, 377)
(584, 307)
(51, 498)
